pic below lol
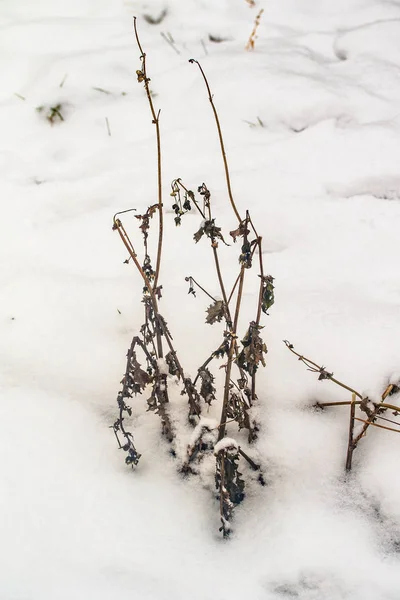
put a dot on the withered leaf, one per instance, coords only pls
(245, 257)
(172, 365)
(268, 297)
(207, 390)
(323, 374)
(240, 231)
(252, 353)
(140, 378)
(157, 292)
(230, 485)
(209, 229)
(215, 312)
(199, 234)
(222, 350)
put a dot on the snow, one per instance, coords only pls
(225, 443)
(204, 426)
(162, 366)
(320, 178)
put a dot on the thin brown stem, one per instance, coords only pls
(253, 465)
(347, 403)
(260, 293)
(179, 366)
(203, 366)
(233, 345)
(178, 182)
(260, 298)
(190, 278)
(221, 141)
(350, 446)
(129, 246)
(221, 282)
(318, 369)
(238, 277)
(388, 420)
(142, 76)
(374, 425)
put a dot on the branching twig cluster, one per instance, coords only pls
(374, 411)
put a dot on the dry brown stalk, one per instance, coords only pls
(312, 366)
(350, 447)
(233, 346)
(358, 402)
(253, 36)
(221, 141)
(377, 425)
(142, 77)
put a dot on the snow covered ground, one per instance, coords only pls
(321, 178)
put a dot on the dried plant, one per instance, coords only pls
(253, 36)
(152, 360)
(52, 113)
(373, 410)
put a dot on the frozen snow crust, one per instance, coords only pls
(321, 180)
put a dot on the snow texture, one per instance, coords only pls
(311, 122)
(225, 443)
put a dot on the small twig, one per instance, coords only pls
(260, 298)
(368, 423)
(221, 141)
(233, 346)
(169, 41)
(19, 96)
(388, 420)
(253, 36)
(347, 403)
(108, 127)
(350, 447)
(176, 184)
(372, 416)
(254, 466)
(131, 250)
(192, 279)
(142, 76)
(102, 90)
(63, 80)
(226, 423)
(204, 47)
(312, 366)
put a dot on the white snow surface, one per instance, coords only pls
(321, 179)
(226, 442)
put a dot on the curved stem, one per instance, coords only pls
(221, 141)
(317, 368)
(156, 122)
